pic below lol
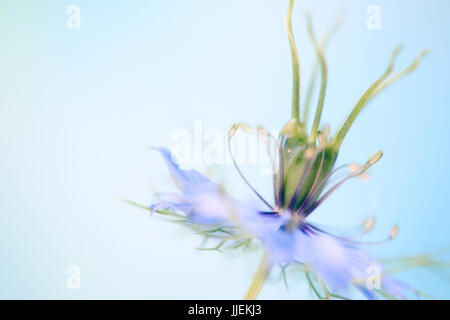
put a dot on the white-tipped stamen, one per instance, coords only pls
(394, 232)
(369, 224)
(372, 160)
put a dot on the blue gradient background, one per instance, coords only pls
(79, 109)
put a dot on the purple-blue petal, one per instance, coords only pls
(186, 180)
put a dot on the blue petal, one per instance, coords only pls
(395, 288)
(337, 262)
(186, 180)
(367, 293)
(203, 200)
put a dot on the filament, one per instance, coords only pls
(362, 169)
(320, 185)
(392, 235)
(302, 181)
(230, 135)
(281, 168)
(315, 180)
(272, 160)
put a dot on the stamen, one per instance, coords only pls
(327, 194)
(354, 168)
(260, 130)
(362, 243)
(374, 159)
(393, 233)
(231, 132)
(309, 153)
(264, 131)
(316, 189)
(369, 224)
(322, 159)
(323, 136)
(316, 179)
(268, 213)
(281, 168)
(364, 177)
(302, 181)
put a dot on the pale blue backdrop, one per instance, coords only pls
(79, 109)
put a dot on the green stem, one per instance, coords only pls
(323, 85)
(259, 278)
(363, 100)
(309, 93)
(312, 80)
(401, 74)
(295, 66)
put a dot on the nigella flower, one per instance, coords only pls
(304, 168)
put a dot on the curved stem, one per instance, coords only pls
(340, 135)
(323, 86)
(309, 93)
(401, 74)
(312, 80)
(295, 66)
(259, 278)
